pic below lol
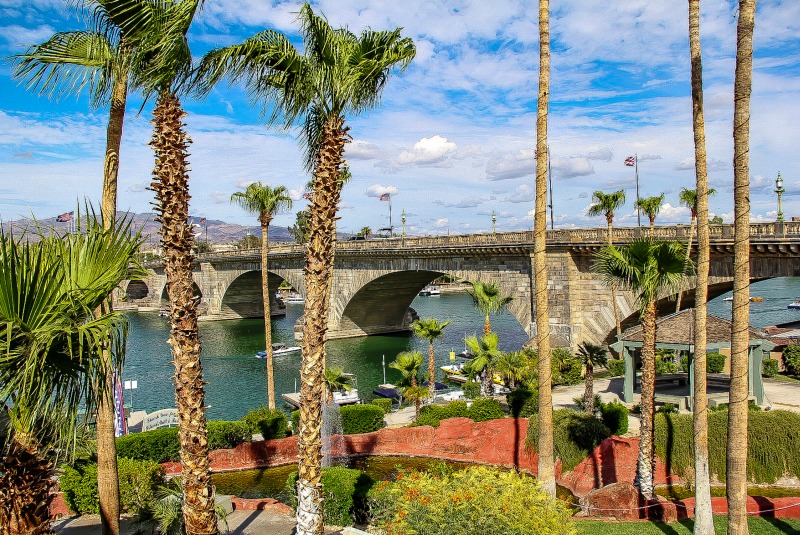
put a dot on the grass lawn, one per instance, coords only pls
(783, 378)
(758, 526)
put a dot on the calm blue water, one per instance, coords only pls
(237, 380)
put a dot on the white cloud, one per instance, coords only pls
(523, 193)
(505, 166)
(218, 197)
(442, 222)
(362, 150)
(571, 167)
(376, 190)
(428, 151)
(604, 154)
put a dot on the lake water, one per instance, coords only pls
(237, 380)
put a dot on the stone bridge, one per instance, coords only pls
(376, 280)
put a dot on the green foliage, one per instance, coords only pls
(580, 403)
(344, 491)
(161, 445)
(223, 434)
(433, 414)
(296, 421)
(773, 444)
(484, 409)
(667, 408)
(791, 359)
(271, 423)
(471, 390)
(616, 367)
(473, 501)
(138, 481)
(361, 418)
(715, 362)
(523, 402)
(769, 367)
(684, 364)
(566, 367)
(383, 403)
(575, 435)
(615, 417)
(166, 510)
(665, 365)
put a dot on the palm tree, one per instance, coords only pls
(486, 355)
(606, 204)
(487, 298)
(336, 381)
(266, 202)
(408, 364)
(417, 394)
(736, 480)
(365, 231)
(688, 198)
(68, 62)
(513, 367)
(651, 206)
(430, 329)
(339, 74)
(56, 331)
(591, 355)
(703, 516)
(156, 31)
(650, 268)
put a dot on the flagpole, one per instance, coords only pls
(391, 228)
(550, 179)
(636, 172)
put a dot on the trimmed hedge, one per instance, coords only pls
(271, 423)
(223, 434)
(616, 367)
(161, 445)
(615, 417)
(715, 362)
(484, 409)
(432, 415)
(472, 390)
(358, 419)
(769, 368)
(523, 402)
(383, 403)
(791, 359)
(344, 490)
(575, 435)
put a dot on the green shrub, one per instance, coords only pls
(667, 408)
(580, 404)
(159, 445)
(344, 491)
(715, 362)
(616, 367)
(271, 423)
(664, 365)
(432, 415)
(523, 402)
(296, 421)
(615, 417)
(575, 435)
(472, 390)
(383, 403)
(791, 359)
(138, 481)
(684, 365)
(566, 367)
(361, 418)
(474, 501)
(484, 409)
(769, 367)
(223, 434)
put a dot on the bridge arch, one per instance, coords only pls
(136, 289)
(242, 298)
(165, 296)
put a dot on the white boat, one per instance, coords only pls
(340, 397)
(295, 298)
(430, 290)
(454, 369)
(794, 305)
(278, 349)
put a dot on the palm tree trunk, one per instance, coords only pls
(588, 393)
(431, 371)
(25, 485)
(318, 276)
(546, 467)
(736, 485)
(688, 256)
(171, 185)
(703, 517)
(647, 427)
(267, 313)
(107, 475)
(487, 325)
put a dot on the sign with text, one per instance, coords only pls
(159, 419)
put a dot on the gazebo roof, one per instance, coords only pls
(677, 328)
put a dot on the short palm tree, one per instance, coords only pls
(266, 202)
(651, 269)
(56, 330)
(415, 394)
(338, 74)
(337, 381)
(487, 298)
(591, 355)
(513, 367)
(486, 355)
(688, 198)
(162, 61)
(408, 364)
(651, 206)
(430, 329)
(365, 231)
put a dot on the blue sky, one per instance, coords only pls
(453, 138)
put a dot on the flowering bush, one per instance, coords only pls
(474, 501)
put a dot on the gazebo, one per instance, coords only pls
(676, 332)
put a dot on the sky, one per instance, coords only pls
(453, 136)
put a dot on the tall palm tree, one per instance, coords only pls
(430, 329)
(651, 206)
(487, 298)
(408, 364)
(156, 31)
(266, 202)
(486, 355)
(69, 62)
(703, 517)
(339, 74)
(56, 330)
(591, 355)
(650, 268)
(606, 204)
(736, 479)
(688, 198)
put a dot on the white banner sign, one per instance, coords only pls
(162, 418)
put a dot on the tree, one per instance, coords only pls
(606, 204)
(161, 59)
(266, 202)
(651, 206)
(736, 480)
(248, 241)
(591, 355)
(650, 268)
(430, 329)
(365, 231)
(408, 364)
(417, 394)
(513, 367)
(487, 298)
(688, 198)
(336, 381)
(486, 355)
(716, 220)
(339, 74)
(59, 343)
(299, 230)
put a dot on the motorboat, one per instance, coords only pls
(453, 369)
(164, 313)
(278, 349)
(294, 298)
(340, 397)
(752, 299)
(430, 290)
(794, 305)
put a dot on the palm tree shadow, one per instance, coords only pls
(669, 530)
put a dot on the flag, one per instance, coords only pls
(385, 197)
(66, 216)
(120, 424)
(630, 161)
(307, 196)
(202, 220)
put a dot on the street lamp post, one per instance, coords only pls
(779, 190)
(494, 223)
